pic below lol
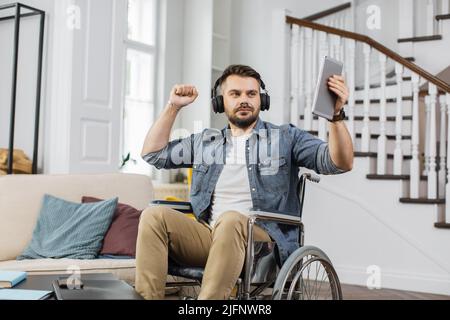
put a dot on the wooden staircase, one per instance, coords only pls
(401, 120)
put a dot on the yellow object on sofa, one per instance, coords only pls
(171, 198)
(189, 177)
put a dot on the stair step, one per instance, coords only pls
(361, 101)
(422, 201)
(378, 85)
(423, 38)
(443, 16)
(361, 118)
(388, 136)
(372, 118)
(392, 177)
(385, 177)
(374, 155)
(442, 225)
(372, 136)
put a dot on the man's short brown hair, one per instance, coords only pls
(239, 70)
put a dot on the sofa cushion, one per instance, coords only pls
(120, 239)
(21, 199)
(70, 230)
(124, 269)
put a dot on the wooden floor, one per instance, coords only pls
(351, 292)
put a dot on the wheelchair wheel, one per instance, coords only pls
(307, 275)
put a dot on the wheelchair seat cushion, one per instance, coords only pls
(184, 271)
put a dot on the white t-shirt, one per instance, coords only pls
(232, 190)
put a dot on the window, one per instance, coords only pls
(140, 81)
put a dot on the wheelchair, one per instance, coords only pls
(307, 274)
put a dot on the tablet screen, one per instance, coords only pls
(325, 99)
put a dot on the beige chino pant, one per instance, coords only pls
(220, 250)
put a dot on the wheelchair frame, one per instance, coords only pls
(244, 285)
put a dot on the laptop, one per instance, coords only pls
(97, 290)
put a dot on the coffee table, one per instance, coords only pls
(44, 282)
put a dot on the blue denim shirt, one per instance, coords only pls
(273, 155)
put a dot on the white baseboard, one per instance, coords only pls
(427, 283)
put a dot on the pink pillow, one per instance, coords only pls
(120, 239)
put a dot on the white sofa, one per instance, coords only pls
(20, 201)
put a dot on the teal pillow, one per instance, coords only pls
(70, 230)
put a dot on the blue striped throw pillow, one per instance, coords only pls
(70, 230)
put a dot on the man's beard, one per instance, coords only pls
(243, 123)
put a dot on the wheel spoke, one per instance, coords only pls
(317, 272)
(321, 281)
(303, 280)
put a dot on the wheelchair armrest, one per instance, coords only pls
(276, 217)
(311, 176)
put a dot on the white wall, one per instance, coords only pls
(197, 60)
(170, 59)
(221, 50)
(388, 32)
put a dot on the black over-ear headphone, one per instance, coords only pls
(217, 100)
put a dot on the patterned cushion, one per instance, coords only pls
(69, 230)
(120, 239)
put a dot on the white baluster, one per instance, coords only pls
(351, 84)
(294, 74)
(432, 174)
(381, 150)
(414, 165)
(447, 185)
(431, 8)
(323, 51)
(342, 21)
(337, 48)
(426, 167)
(301, 72)
(315, 71)
(398, 153)
(442, 146)
(331, 39)
(315, 57)
(323, 45)
(336, 22)
(308, 80)
(352, 18)
(347, 20)
(445, 7)
(365, 135)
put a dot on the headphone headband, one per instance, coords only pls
(217, 100)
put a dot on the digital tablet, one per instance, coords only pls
(325, 99)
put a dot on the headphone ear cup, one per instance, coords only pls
(217, 104)
(214, 104)
(265, 101)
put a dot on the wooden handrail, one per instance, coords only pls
(363, 38)
(328, 12)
